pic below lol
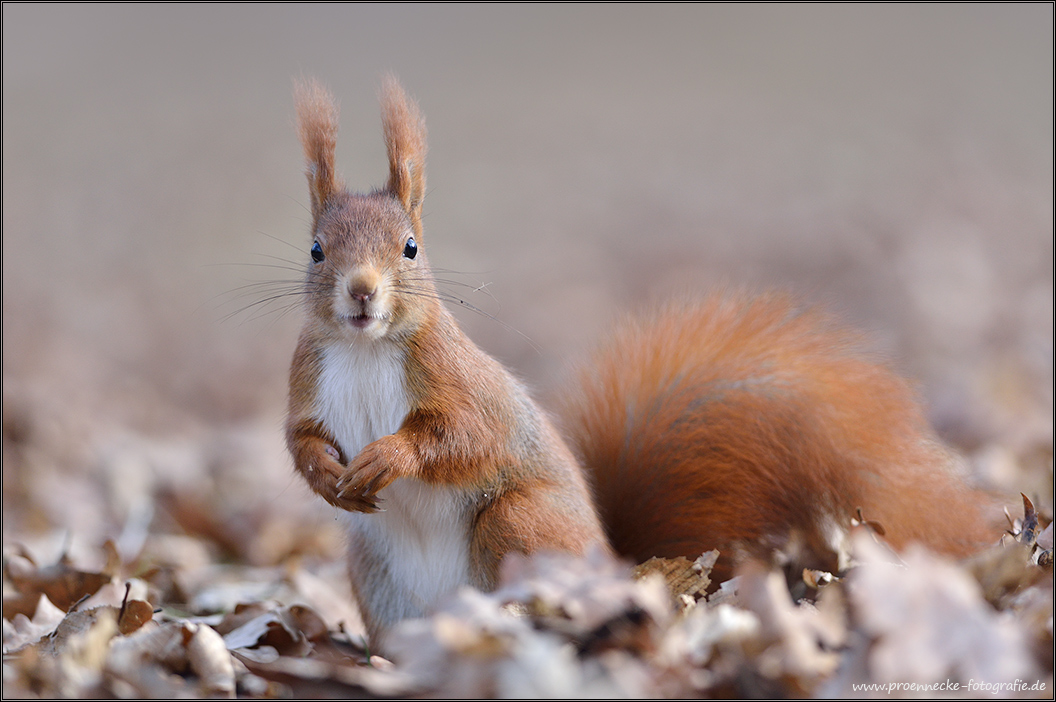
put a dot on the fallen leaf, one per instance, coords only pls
(929, 621)
(684, 578)
(1028, 526)
(25, 631)
(63, 584)
(210, 661)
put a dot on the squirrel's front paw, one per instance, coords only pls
(377, 465)
(321, 464)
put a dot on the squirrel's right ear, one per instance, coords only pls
(317, 126)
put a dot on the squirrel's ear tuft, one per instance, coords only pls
(405, 141)
(317, 126)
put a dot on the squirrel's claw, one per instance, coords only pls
(376, 466)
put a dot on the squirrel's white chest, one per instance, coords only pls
(361, 393)
(405, 558)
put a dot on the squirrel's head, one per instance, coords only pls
(367, 277)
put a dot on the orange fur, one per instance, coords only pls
(753, 424)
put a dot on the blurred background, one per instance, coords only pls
(892, 162)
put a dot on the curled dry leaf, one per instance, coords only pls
(1028, 526)
(475, 648)
(558, 626)
(63, 584)
(242, 614)
(308, 678)
(76, 625)
(793, 634)
(151, 662)
(147, 660)
(328, 595)
(289, 631)
(817, 579)
(929, 620)
(695, 638)
(132, 615)
(688, 581)
(269, 629)
(71, 660)
(24, 631)
(581, 595)
(210, 661)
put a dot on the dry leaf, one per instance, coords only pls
(63, 584)
(929, 621)
(1028, 526)
(150, 662)
(210, 661)
(310, 678)
(685, 579)
(793, 633)
(26, 631)
(133, 615)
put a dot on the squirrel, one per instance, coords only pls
(736, 423)
(438, 455)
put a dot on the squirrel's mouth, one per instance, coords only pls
(363, 320)
(360, 321)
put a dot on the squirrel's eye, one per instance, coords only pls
(317, 253)
(411, 249)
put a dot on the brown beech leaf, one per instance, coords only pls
(25, 630)
(210, 661)
(311, 678)
(21, 603)
(242, 613)
(132, 615)
(687, 580)
(63, 584)
(291, 631)
(306, 621)
(78, 624)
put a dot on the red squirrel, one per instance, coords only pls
(441, 459)
(738, 424)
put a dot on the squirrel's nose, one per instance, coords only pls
(362, 293)
(363, 285)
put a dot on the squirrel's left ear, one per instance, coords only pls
(405, 141)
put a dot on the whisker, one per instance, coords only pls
(449, 297)
(264, 302)
(283, 241)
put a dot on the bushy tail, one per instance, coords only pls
(754, 424)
